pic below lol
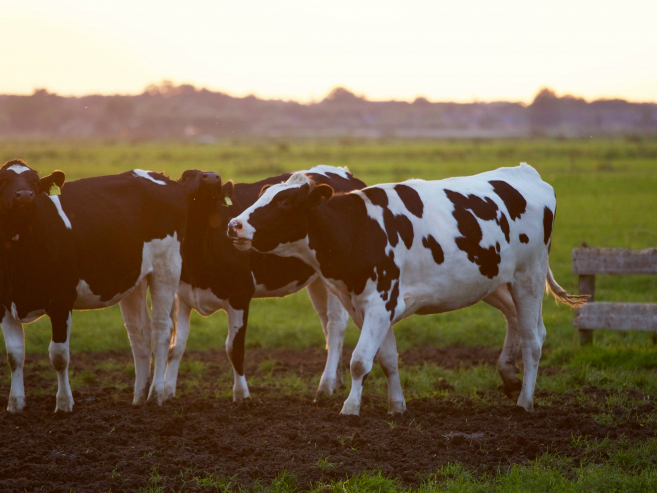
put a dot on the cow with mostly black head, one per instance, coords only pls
(393, 250)
(217, 276)
(85, 245)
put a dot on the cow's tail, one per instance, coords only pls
(560, 294)
(174, 320)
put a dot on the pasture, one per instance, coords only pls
(595, 425)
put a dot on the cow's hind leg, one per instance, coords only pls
(59, 358)
(388, 359)
(15, 344)
(375, 329)
(527, 291)
(177, 349)
(237, 323)
(163, 282)
(134, 309)
(502, 300)
(334, 320)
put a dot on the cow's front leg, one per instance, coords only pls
(375, 328)
(237, 322)
(15, 344)
(177, 349)
(59, 357)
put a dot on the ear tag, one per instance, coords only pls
(227, 202)
(54, 190)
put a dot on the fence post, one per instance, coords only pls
(586, 286)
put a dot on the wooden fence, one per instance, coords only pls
(589, 262)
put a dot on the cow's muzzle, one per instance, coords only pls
(23, 197)
(237, 234)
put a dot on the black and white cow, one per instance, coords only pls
(217, 276)
(424, 247)
(89, 244)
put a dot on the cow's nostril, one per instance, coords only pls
(24, 195)
(237, 226)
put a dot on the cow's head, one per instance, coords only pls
(279, 216)
(205, 188)
(19, 187)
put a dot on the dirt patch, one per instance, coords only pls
(107, 443)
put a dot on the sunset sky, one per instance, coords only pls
(292, 49)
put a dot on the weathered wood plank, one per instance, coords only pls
(617, 316)
(592, 261)
(586, 286)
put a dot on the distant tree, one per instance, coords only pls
(545, 111)
(340, 94)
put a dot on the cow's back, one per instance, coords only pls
(467, 235)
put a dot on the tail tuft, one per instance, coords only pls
(560, 294)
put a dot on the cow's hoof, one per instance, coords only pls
(64, 406)
(139, 400)
(528, 406)
(396, 407)
(15, 404)
(350, 408)
(169, 392)
(512, 389)
(240, 395)
(156, 396)
(140, 397)
(325, 390)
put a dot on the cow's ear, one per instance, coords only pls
(227, 190)
(319, 194)
(264, 189)
(57, 178)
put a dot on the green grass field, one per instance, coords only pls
(607, 196)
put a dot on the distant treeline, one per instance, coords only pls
(185, 112)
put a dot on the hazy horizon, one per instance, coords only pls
(293, 50)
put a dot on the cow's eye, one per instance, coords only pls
(284, 203)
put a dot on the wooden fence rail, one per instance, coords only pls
(589, 262)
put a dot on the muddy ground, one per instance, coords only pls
(106, 443)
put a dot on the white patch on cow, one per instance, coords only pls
(87, 300)
(60, 211)
(261, 290)
(146, 174)
(323, 169)
(18, 168)
(203, 301)
(29, 318)
(297, 179)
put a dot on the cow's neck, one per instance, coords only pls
(201, 217)
(331, 233)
